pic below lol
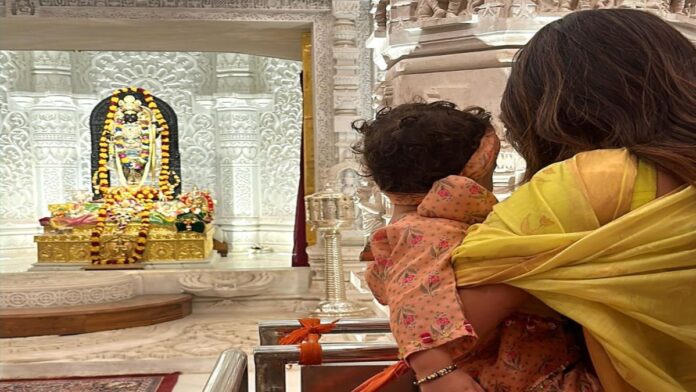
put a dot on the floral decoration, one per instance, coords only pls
(113, 197)
(101, 178)
(141, 200)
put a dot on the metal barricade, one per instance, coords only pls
(271, 331)
(344, 366)
(229, 373)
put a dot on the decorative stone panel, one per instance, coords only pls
(234, 141)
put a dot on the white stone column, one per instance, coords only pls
(54, 141)
(236, 73)
(238, 169)
(346, 76)
(51, 71)
(237, 105)
(53, 116)
(347, 108)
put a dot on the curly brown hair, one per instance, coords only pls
(407, 148)
(607, 78)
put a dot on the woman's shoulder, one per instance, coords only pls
(590, 167)
(591, 186)
(593, 161)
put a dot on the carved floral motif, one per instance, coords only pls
(198, 152)
(280, 137)
(41, 290)
(16, 172)
(173, 76)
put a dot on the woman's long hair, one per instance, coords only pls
(605, 79)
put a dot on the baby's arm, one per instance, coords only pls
(485, 307)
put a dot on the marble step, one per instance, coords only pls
(68, 320)
(50, 289)
(66, 288)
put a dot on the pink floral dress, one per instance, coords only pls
(412, 273)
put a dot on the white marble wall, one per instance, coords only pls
(239, 121)
(466, 59)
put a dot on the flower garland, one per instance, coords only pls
(144, 150)
(210, 203)
(145, 195)
(101, 177)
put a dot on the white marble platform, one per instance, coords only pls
(46, 289)
(67, 288)
(21, 260)
(265, 276)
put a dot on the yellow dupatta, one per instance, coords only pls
(628, 279)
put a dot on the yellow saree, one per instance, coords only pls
(629, 278)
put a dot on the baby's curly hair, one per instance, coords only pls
(407, 148)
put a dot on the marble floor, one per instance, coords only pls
(190, 345)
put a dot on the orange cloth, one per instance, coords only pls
(382, 378)
(308, 336)
(309, 326)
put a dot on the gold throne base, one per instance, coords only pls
(164, 244)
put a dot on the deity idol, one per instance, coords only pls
(134, 192)
(132, 145)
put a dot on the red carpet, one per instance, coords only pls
(125, 383)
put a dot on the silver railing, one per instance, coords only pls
(271, 331)
(229, 373)
(270, 366)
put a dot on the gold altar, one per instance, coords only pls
(136, 211)
(164, 244)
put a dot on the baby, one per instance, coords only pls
(435, 163)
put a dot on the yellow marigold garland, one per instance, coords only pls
(145, 195)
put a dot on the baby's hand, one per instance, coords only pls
(457, 381)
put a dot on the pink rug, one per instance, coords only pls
(126, 383)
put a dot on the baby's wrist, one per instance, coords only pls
(428, 361)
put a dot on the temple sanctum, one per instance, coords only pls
(179, 189)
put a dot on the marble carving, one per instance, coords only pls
(342, 68)
(47, 290)
(227, 285)
(44, 141)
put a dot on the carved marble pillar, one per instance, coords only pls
(280, 130)
(346, 75)
(351, 102)
(54, 129)
(238, 169)
(51, 71)
(54, 140)
(236, 73)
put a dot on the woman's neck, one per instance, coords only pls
(400, 210)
